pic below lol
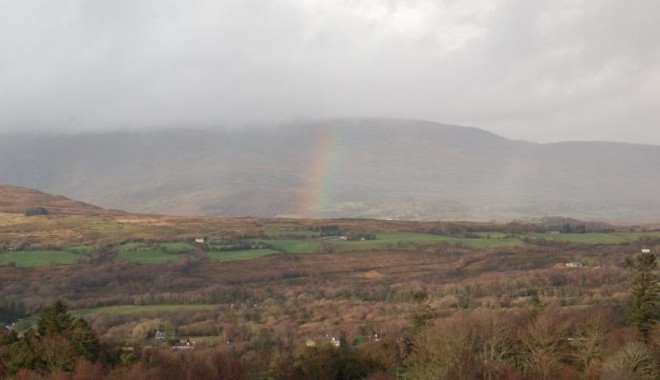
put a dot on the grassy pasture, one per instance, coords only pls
(410, 240)
(171, 251)
(595, 237)
(38, 258)
(133, 309)
(177, 246)
(79, 249)
(238, 255)
(491, 243)
(294, 246)
(128, 309)
(134, 246)
(148, 257)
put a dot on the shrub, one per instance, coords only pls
(36, 211)
(633, 361)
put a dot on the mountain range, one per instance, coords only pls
(377, 168)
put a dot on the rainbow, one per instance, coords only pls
(315, 194)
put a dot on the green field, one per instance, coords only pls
(148, 257)
(133, 309)
(164, 252)
(594, 237)
(79, 249)
(177, 246)
(133, 246)
(127, 309)
(293, 245)
(411, 240)
(239, 255)
(38, 258)
(491, 243)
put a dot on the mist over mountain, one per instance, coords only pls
(380, 168)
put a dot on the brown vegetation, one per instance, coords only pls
(437, 311)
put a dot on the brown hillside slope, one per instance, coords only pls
(15, 199)
(72, 222)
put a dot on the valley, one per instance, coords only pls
(265, 294)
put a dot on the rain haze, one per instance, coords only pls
(535, 70)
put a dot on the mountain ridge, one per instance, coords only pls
(383, 168)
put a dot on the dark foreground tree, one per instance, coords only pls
(54, 319)
(61, 342)
(644, 293)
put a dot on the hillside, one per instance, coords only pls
(377, 168)
(258, 289)
(15, 199)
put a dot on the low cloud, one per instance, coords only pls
(543, 71)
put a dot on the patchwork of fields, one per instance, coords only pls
(245, 249)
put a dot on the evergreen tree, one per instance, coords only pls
(84, 340)
(60, 343)
(421, 310)
(55, 319)
(63, 339)
(644, 293)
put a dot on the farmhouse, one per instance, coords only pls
(574, 264)
(184, 346)
(159, 335)
(327, 339)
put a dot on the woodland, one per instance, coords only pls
(124, 296)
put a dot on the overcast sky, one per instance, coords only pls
(537, 70)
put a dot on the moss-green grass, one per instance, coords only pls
(387, 241)
(293, 245)
(177, 246)
(38, 258)
(133, 246)
(238, 255)
(128, 309)
(409, 240)
(491, 243)
(79, 249)
(586, 238)
(133, 309)
(148, 257)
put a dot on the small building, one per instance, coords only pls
(327, 339)
(335, 342)
(184, 346)
(159, 335)
(574, 264)
(199, 240)
(331, 340)
(646, 250)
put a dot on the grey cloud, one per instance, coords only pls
(545, 71)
